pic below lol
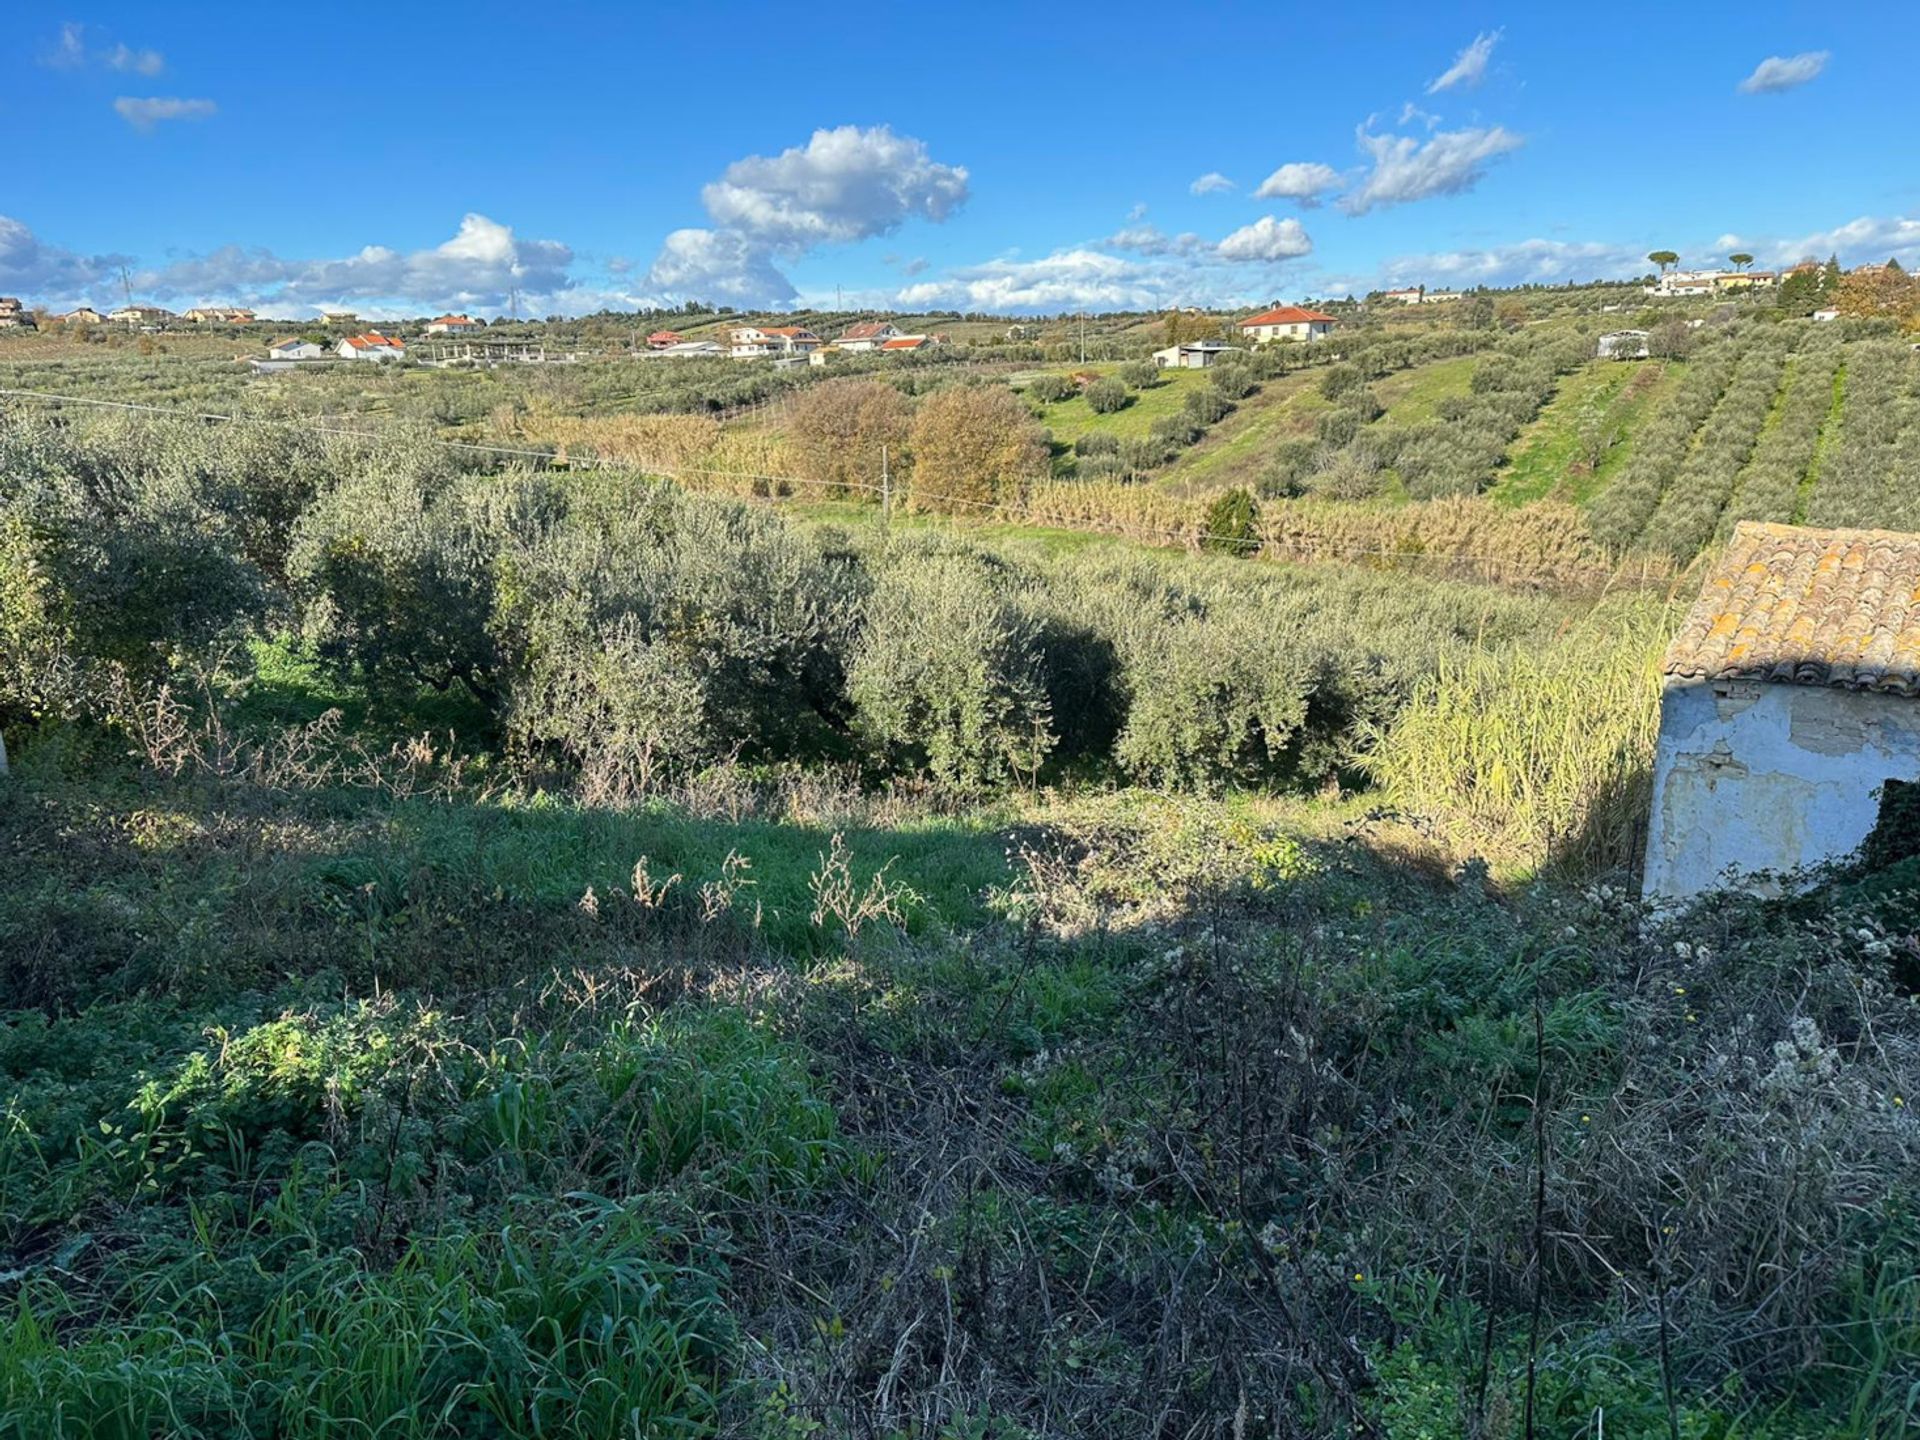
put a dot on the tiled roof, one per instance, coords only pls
(867, 329)
(1808, 607)
(1286, 315)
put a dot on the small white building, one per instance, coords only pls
(140, 315)
(294, 348)
(1409, 296)
(1438, 297)
(85, 315)
(1286, 322)
(1194, 355)
(1791, 700)
(1826, 317)
(1623, 345)
(749, 342)
(452, 325)
(370, 346)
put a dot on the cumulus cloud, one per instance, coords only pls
(31, 267)
(1469, 67)
(141, 62)
(1304, 181)
(1211, 183)
(1266, 239)
(478, 268)
(1079, 279)
(145, 113)
(1405, 168)
(1788, 72)
(844, 184)
(1528, 262)
(719, 265)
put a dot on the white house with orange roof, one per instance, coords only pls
(452, 325)
(370, 346)
(1286, 322)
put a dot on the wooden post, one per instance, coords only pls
(886, 500)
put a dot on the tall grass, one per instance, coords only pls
(1536, 757)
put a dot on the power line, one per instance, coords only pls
(987, 509)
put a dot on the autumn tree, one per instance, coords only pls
(839, 427)
(1883, 292)
(974, 445)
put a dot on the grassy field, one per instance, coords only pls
(1585, 433)
(1233, 451)
(1411, 396)
(1071, 418)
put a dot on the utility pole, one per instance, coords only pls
(886, 490)
(1083, 337)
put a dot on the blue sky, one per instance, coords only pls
(396, 159)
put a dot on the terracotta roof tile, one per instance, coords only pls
(1807, 607)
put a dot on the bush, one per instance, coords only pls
(837, 430)
(974, 446)
(1207, 407)
(1051, 389)
(1231, 520)
(1233, 379)
(1341, 380)
(1106, 396)
(1141, 374)
(1097, 442)
(946, 674)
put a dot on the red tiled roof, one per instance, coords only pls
(904, 342)
(1286, 315)
(784, 330)
(372, 340)
(866, 330)
(1807, 607)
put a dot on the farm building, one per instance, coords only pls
(1791, 705)
(1195, 355)
(1286, 322)
(1622, 345)
(292, 347)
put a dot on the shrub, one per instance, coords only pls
(1230, 524)
(1050, 388)
(974, 446)
(946, 673)
(1340, 380)
(1097, 442)
(1207, 406)
(1233, 379)
(1141, 374)
(837, 429)
(1106, 396)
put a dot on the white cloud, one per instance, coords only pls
(30, 267)
(1080, 279)
(1266, 239)
(719, 266)
(1138, 212)
(843, 185)
(1407, 169)
(1211, 183)
(144, 114)
(1528, 262)
(1304, 181)
(1777, 73)
(1151, 240)
(71, 52)
(479, 268)
(1867, 239)
(141, 62)
(1469, 67)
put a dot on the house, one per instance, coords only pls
(897, 343)
(15, 316)
(85, 315)
(751, 341)
(342, 318)
(1286, 322)
(1622, 345)
(217, 315)
(140, 315)
(1791, 703)
(661, 339)
(294, 348)
(690, 350)
(1194, 355)
(1438, 297)
(452, 325)
(1403, 297)
(868, 335)
(370, 346)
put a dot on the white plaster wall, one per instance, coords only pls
(1753, 777)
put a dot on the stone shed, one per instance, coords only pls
(1791, 700)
